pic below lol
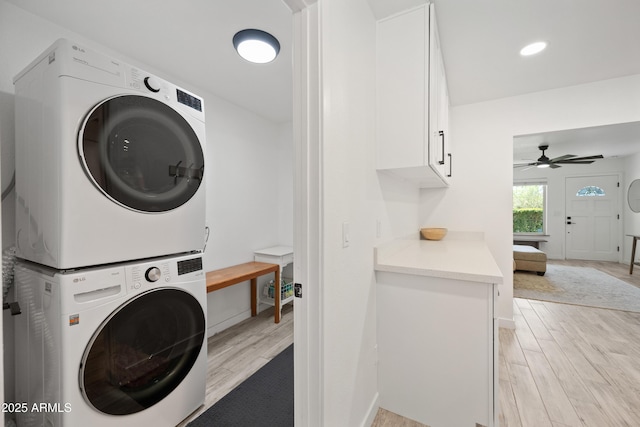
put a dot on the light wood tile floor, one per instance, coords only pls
(567, 365)
(386, 418)
(563, 365)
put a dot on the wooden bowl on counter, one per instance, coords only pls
(433, 233)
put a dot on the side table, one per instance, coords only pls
(283, 256)
(633, 252)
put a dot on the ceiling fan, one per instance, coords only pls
(567, 159)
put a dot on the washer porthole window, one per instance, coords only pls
(141, 153)
(142, 352)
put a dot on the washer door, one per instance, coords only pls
(141, 153)
(142, 352)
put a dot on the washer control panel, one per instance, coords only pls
(162, 271)
(189, 266)
(153, 274)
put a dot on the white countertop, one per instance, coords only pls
(450, 258)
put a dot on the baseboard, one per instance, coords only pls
(227, 323)
(221, 326)
(506, 323)
(373, 410)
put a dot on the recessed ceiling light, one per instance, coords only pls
(533, 48)
(256, 46)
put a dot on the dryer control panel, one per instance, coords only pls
(143, 81)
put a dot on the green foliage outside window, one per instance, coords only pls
(528, 208)
(527, 220)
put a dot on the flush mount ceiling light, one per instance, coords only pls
(256, 46)
(533, 48)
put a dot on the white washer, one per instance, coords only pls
(122, 345)
(105, 153)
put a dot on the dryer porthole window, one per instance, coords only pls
(141, 153)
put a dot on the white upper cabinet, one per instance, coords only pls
(412, 100)
(439, 138)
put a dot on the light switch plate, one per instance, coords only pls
(346, 235)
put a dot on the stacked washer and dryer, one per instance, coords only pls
(110, 225)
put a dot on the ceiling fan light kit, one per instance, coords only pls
(567, 159)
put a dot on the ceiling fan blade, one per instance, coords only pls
(576, 162)
(599, 156)
(565, 157)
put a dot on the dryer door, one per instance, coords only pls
(142, 352)
(141, 153)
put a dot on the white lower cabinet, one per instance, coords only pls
(437, 349)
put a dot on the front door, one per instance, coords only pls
(592, 207)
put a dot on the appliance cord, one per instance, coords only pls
(206, 238)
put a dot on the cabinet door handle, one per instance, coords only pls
(450, 165)
(441, 133)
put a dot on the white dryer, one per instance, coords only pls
(119, 346)
(106, 153)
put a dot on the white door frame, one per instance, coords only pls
(308, 214)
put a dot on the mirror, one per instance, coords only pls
(633, 195)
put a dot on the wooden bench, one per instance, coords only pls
(219, 279)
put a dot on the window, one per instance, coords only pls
(590, 191)
(529, 201)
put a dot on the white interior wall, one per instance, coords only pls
(352, 193)
(249, 169)
(285, 184)
(480, 196)
(243, 199)
(555, 178)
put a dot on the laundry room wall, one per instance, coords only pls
(246, 195)
(249, 170)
